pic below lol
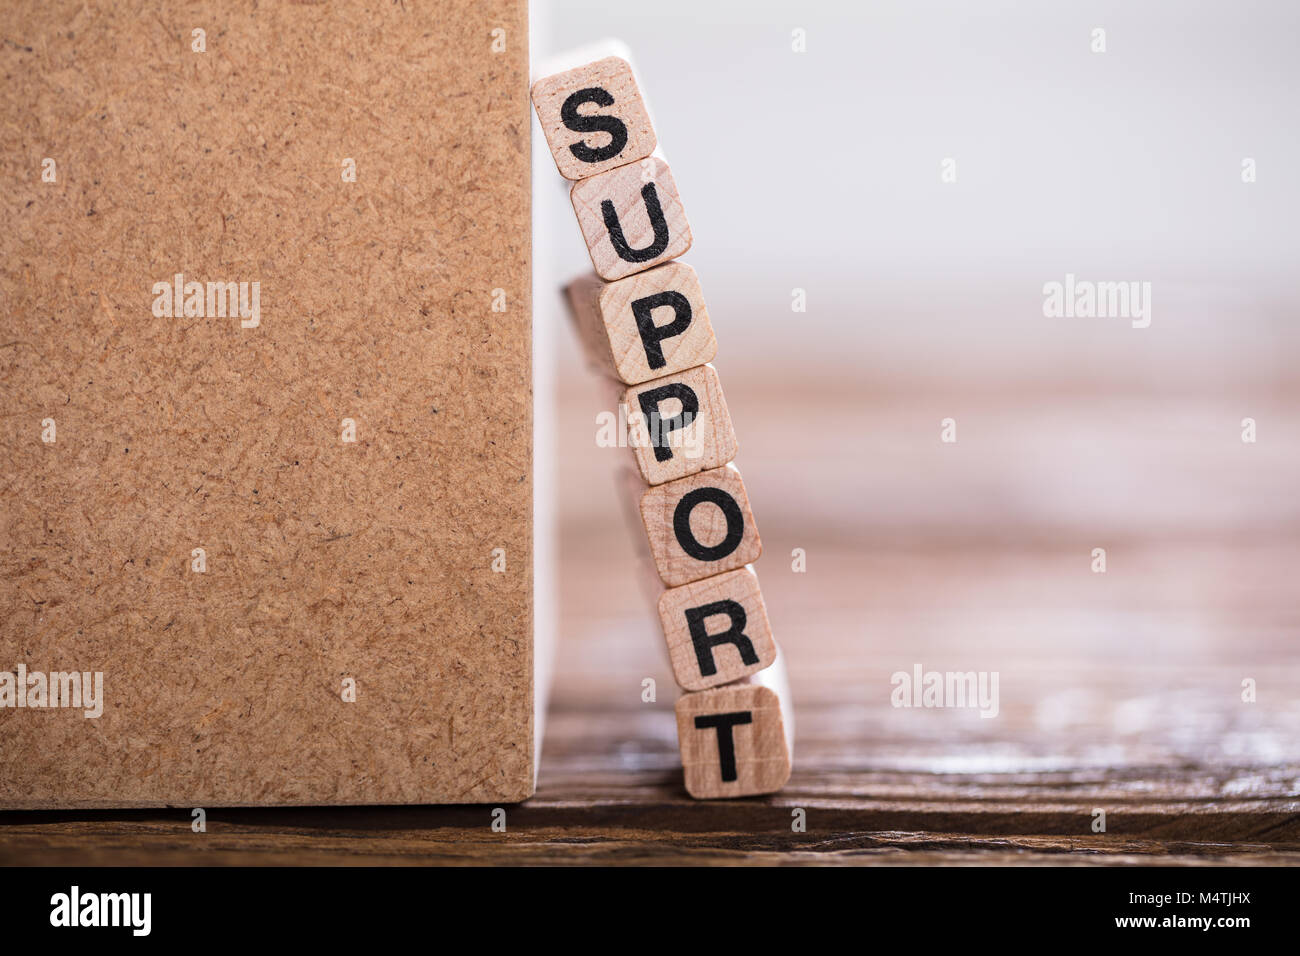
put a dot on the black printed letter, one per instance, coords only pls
(656, 214)
(705, 642)
(652, 335)
(726, 746)
(686, 537)
(593, 124)
(659, 426)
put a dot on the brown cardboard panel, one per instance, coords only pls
(399, 301)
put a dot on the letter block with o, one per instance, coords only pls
(700, 526)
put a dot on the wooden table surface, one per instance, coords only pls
(1119, 692)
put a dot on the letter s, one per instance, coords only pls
(581, 123)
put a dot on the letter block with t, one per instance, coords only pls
(717, 630)
(700, 526)
(631, 218)
(646, 326)
(593, 118)
(682, 425)
(736, 740)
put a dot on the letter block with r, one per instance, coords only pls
(717, 630)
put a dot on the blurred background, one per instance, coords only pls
(824, 171)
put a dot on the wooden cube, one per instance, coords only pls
(631, 218)
(646, 326)
(679, 425)
(593, 118)
(700, 526)
(628, 487)
(583, 297)
(737, 740)
(717, 630)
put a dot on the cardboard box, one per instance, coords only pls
(279, 523)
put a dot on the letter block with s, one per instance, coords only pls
(594, 118)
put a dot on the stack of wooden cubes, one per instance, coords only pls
(643, 319)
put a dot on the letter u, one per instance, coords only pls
(650, 196)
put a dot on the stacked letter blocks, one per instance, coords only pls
(643, 321)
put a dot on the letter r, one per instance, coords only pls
(696, 618)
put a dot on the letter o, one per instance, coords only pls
(730, 510)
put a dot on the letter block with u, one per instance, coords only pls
(631, 218)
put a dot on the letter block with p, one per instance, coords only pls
(681, 425)
(646, 326)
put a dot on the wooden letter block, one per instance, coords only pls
(631, 218)
(717, 630)
(700, 526)
(736, 740)
(645, 326)
(583, 295)
(593, 118)
(680, 425)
